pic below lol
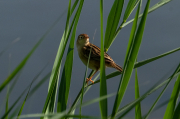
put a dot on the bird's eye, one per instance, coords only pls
(81, 37)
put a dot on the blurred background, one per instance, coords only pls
(27, 21)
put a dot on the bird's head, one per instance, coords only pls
(83, 39)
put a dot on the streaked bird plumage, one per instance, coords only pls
(84, 48)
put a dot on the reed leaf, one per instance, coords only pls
(66, 74)
(173, 100)
(130, 60)
(24, 61)
(53, 84)
(176, 112)
(34, 89)
(153, 8)
(103, 85)
(139, 64)
(162, 92)
(138, 114)
(64, 114)
(112, 23)
(157, 86)
(130, 7)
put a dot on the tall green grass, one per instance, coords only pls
(59, 85)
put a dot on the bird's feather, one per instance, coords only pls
(95, 53)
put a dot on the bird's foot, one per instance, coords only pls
(89, 79)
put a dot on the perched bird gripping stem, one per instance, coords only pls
(84, 48)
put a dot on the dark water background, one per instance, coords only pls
(28, 21)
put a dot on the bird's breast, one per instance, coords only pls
(92, 63)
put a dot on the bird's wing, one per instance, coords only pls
(95, 53)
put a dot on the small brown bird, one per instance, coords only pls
(84, 47)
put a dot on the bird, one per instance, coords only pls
(84, 47)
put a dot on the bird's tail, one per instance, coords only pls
(119, 68)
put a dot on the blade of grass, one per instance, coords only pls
(56, 68)
(172, 103)
(74, 32)
(74, 6)
(154, 104)
(109, 76)
(138, 106)
(176, 112)
(97, 100)
(131, 39)
(7, 101)
(23, 62)
(15, 81)
(20, 111)
(157, 86)
(20, 66)
(79, 116)
(58, 116)
(10, 90)
(138, 64)
(141, 63)
(84, 83)
(161, 105)
(28, 88)
(64, 113)
(130, 59)
(117, 73)
(103, 85)
(38, 85)
(112, 23)
(79, 96)
(153, 8)
(36, 77)
(54, 79)
(156, 6)
(17, 100)
(130, 7)
(66, 74)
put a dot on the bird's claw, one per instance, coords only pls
(89, 79)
